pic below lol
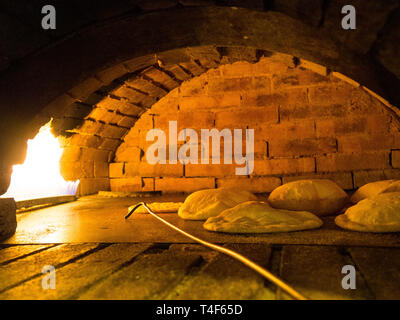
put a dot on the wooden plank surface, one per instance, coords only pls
(381, 269)
(148, 277)
(225, 278)
(315, 271)
(191, 271)
(10, 253)
(23, 269)
(76, 276)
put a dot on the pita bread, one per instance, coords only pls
(374, 188)
(203, 204)
(319, 196)
(380, 213)
(260, 217)
(158, 207)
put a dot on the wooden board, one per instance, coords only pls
(149, 277)
(381, 268)
(21, 270)
(315, 271)
(11, 253)
(191, 271)
(75, 277)
(225, 278)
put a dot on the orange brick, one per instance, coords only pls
(91, 154)
(109, 144)
(117, 170)
(168, 103)
(364, 142)
(161, 77)
(218, 85)
(248, 117)
(145, 122)
(126, 153)
(101, 169)
(392, 174)
(336, 93)
(146, 86)
(135, 184)
(76, 170)
(92, 185)
(264, 99)
(277, 63)
(358, 161)
(283, 166)
(90, 127)
(342, 179)
(134, 96)
(85, 141)
(296, 77)
(342, 126)
(378, 124)
(366, 176)
(147, 184)
(206, 170)
(396, 158)
(71, 154)
(254, 184)
(209, 102)
(194, 87)
(145, 169)
(173, 185)
(238, 69)
(317, 68)
(185, 120)
(289, 130)
(113, 132)
(301, 147)
(121, 105)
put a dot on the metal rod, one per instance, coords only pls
(266, 274)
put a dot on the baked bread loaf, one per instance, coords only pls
(203, 204)
(380, 213)
(260, 217)
(374, 188)
(319, 196)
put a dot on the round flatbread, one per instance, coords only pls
(319, 196)
(158, 207)
(380, 213)
(203, 204)
(374, 188)
(260, 217)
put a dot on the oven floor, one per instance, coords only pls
(99, 255)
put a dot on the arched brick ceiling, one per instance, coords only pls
(99, 120)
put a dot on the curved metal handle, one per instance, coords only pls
(266, 274)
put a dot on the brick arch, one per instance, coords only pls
(308, 122)
(94, 58)
(93, 125)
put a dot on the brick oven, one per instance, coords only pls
(322, 101)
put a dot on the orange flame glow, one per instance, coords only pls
(40, 176)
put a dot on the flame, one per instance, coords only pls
(39, 176)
